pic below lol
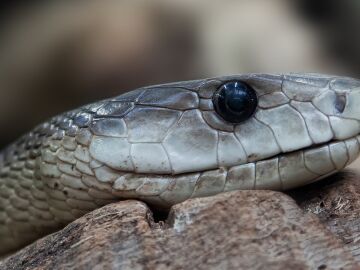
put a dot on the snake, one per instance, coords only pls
(167, 143)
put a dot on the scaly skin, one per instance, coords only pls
(164, 144)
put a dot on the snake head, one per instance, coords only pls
(299, 128)
(164, 144)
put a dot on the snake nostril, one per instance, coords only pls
(340, 103)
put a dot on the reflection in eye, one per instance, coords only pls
(235, 101)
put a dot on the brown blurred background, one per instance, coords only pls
(56, 55)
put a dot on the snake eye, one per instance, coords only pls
(235, 101)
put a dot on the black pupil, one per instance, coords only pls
(235, 101)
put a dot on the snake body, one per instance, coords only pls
(164, 144)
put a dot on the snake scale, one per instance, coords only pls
(164, 144)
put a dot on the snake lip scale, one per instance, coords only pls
(313, 147)
(166, 143)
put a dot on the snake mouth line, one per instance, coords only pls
(304, 166)
(318, 146)
(315, 147)
(351, 155)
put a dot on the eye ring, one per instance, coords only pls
(235, 101)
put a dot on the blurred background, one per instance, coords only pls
(57, 55)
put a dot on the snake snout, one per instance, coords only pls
(341, 105)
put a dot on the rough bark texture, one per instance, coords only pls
(237, 230)
(336, 202)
